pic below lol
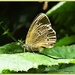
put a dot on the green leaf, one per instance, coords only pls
(65, 52)
(56, 7)
(62, 9)
(6, 32)
(69, 69)
(34, 62)
(14, 47)
(62, 69)
(26, 61)
(66, 41)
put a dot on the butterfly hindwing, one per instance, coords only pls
(40, 33)
(46, 37)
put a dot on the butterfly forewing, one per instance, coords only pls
(40, 33)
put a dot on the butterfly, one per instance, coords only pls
(40, 35)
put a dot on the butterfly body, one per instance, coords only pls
(40, 34)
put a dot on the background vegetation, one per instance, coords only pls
(15, 19)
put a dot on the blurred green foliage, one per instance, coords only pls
(16, 17)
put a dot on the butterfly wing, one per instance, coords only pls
(41, 33)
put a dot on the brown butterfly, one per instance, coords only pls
(40, 34)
